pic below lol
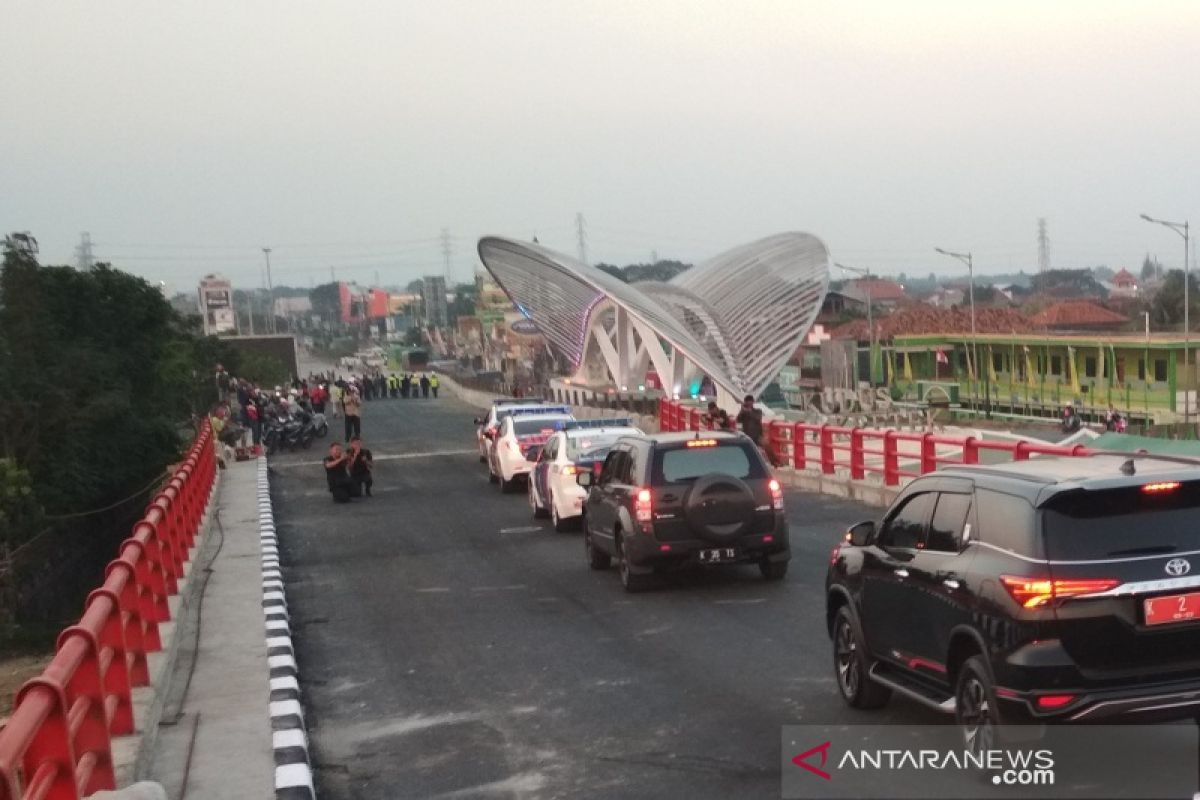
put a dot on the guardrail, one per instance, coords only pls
(57, 744)
(863, 451)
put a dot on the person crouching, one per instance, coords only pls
(337, 473)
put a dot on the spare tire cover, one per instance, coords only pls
(719, 507)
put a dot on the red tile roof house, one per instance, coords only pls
(1124, 284)
(884, 293)
(1077, 315)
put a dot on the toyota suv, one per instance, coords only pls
(674, 499)
(1039, 591)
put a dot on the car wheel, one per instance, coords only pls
(538, 511)
(851, 665)
(506, 486)
(482, 459)
(596, 558)
(492, 474)
(560, 525)
(975, 706)
(630, 580)
(773, 570)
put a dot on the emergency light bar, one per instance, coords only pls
(614, 422)
(517, 412)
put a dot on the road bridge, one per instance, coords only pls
(451, 645)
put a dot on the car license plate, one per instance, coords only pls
(718, 555)
(1173, 608)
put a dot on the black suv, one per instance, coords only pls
(671, 499)
(1046, 590)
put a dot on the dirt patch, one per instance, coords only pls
(14, 671)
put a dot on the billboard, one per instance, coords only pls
(217, 298)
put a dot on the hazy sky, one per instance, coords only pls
(185, 135)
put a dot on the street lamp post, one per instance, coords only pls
(270, 289)
(1182, 229)
(870, 320)
(967, 259)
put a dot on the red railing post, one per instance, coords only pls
(1021, 451)
(87, 707)
(827, 463)
(799, 446)
(891, 460)
(928, 453)
(857, 460)
(49, 760)
(970, 450)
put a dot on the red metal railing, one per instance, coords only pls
(861, 451)
(57, 745)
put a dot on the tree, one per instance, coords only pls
(326, 302)
(1167, 306)
(97, 376)
(1151, 269)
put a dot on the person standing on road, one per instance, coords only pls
(361, 465)
(336, 474)
(352, 404)
(433, 385)
(749, 420)
(424, 385)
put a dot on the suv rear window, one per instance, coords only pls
(1118, 523)
(688, 463)
(592, 448)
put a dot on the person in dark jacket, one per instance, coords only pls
(360, 465)
(749, 420)
(424, 385)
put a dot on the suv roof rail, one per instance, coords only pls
(1191, 461)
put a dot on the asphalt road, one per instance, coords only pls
(452, 646)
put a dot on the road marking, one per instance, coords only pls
(526, 529)
(745, 602)
(511, 588)
(438, 589)
(384, 457)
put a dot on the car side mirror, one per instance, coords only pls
(861, 534)
(478, 421)
(584, 479)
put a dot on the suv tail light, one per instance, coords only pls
(643, 510)
(570, 469)
(1037, 592)
(776, 494)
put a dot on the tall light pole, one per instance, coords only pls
(870, 320)
(270, 289)
(967, 259)
(1182, 229)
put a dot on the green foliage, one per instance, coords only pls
(1167, 306)
(326, 302)
(1068, 282)
(96, 374)
(19, 509)
(262, 370)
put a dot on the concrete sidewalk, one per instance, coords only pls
(215, 738)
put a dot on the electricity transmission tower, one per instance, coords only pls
(581, 236)
(447, 250)
(1043, 246)
(84, 258)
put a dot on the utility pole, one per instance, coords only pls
(447, 249)
(581, 236)
(969, 260)
(270, 291)
(1043, 247)
(332, 276)
(653, 257)
(1183, 229)
(84, 259)
(250, 303)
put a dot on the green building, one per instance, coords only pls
(1144, 376)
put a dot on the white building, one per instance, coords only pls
(215, 296)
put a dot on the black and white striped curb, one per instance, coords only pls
(293, 769)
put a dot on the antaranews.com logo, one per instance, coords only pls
(1007, 767)
(930, 762)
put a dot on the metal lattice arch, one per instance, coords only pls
(736, 317)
